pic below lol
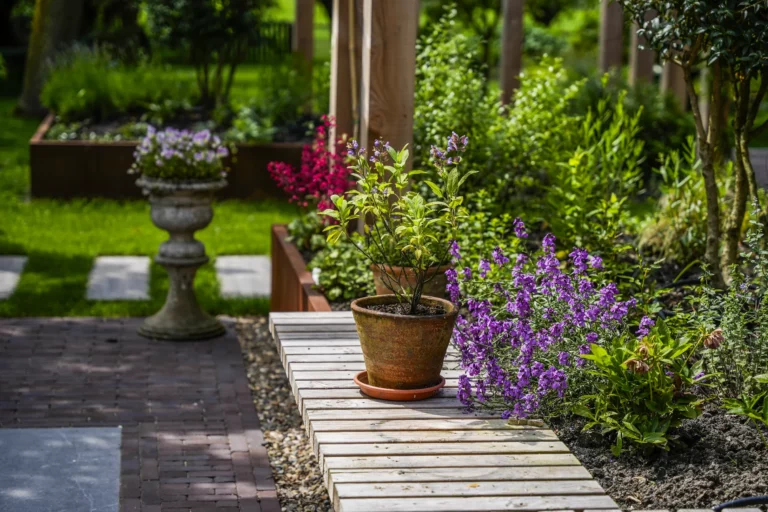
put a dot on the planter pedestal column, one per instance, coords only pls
(181, 209)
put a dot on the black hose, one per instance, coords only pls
(755, 500)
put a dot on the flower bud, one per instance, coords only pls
(637, 366)
(714, 339)
(643, 351)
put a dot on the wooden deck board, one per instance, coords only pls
(418, 456)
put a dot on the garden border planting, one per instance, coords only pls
(292, 284)
(85, 169)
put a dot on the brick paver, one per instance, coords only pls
(191, 439)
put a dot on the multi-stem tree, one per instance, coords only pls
(730, 37)
(215, 34)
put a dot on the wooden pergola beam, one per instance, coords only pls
(390, 28)
(511, 61)
(640, 61)
(304, 39)
(611, 35)
(346, 66)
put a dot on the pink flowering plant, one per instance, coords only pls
(525, 321)
(322, 173)
(180, 155)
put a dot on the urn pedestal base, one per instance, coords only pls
(181, 209)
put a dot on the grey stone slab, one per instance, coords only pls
(60, 470)
(244, 276)
(10, 273)
(119, 278)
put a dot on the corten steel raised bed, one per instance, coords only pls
(292, 284)
(84, 169)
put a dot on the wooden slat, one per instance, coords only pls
(425, 455)
(468, 488)
(435, 460)
(435, 436)
(386, 449)
(464, 474)
(408, 425)
(476, 504)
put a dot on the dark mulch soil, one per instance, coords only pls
(719, 458)
(404, 309)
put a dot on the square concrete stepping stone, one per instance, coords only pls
(10, 272)
(59, 469)
(119, 278)
(244, 276)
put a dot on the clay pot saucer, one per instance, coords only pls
(396, 395)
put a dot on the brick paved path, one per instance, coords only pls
(191, 439)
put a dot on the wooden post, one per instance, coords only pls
(640, 61)
(346, 67)
(304, 40)
(611, 35)
(673, 82)
(390, 28)
(511, 48)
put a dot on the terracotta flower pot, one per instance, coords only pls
(403, 351)
(405, 277)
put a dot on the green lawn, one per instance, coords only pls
(61, 240)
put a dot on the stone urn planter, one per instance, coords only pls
(181, 208)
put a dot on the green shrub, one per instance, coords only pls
(533, 137)
(663, 126)
(642, 387)
(451, 95)
(345, 274)
(677, 231)
(89, 83)
(589, 191)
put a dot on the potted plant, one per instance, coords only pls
(404, 335)
(180, 172)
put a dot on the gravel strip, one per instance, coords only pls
(297, 475)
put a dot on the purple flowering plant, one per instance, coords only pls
(524, 321)
(181, 155)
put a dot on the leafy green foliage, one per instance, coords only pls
(482, 231)
(306, 231)
(663, 126)
(534, 136)
(590, 192)
(451, 96)
(677, 231)
(90, 83)
(345, 274)
(405, 229)
(642, 388)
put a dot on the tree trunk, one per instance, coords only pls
(707, 140)
(55, 25)
(736, 217)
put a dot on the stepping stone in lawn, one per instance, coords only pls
(119, 278)
(10, 272)
(244, 276)
(72, 469)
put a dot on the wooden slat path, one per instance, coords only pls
(424, 456)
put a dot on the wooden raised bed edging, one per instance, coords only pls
(85, 169)
(293, 288)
